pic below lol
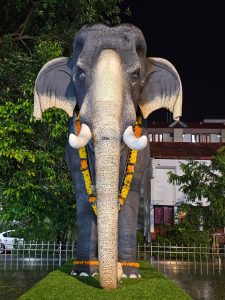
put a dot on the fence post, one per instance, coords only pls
(201, 259)
(11, 257)
(53, 256)
(176, 253)
(188, 252)
(182, 252)
(73, 243)
(144, 251)
(24, 246)
(42, 254)
(206, 257)
(66, 250)
(158, 256)
(35, 253)
(29, 252)
(17, 259)
(213, 260)
(60, 253)
(5, 260)
(164, 253)
(194, 258)
(47, 255)
(151, 253)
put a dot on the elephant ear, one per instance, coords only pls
(54, 87)
(162, 88)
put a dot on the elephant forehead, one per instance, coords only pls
(95, 41)
(105, 34)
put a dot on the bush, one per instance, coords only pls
(181, 236)
(140, 238)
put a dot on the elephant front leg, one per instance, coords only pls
(127, 236)
(86, 254)
(128, 217)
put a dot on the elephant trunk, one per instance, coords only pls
(107, 106)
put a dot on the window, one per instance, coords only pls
(156, 137)
(206, 138)
(163, 215)
(195, 138)
(150, 137)
(200, 138)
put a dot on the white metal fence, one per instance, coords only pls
(34, 255)
(182, 252)
(205, 259)
(48, 255)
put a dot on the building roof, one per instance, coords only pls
(179, 124)
(181, 150)
(214, 119)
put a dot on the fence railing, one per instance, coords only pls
(52, 254)
(36, 255)
(199, 257)
(188, 252)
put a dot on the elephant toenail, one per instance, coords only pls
(133, 276)
(73, 273)
(83, 274)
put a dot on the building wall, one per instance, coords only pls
(178, 135)
(223, 136)
(163, 192)
(215, 138)
(167, 137)
(164, 197)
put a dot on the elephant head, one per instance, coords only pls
(107, 78)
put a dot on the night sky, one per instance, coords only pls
(191, 35)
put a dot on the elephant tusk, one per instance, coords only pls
(81, 140)
(132, 141)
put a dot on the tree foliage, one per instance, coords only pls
(203, 181)
(35, 185)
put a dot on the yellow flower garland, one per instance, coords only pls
(129, 171)
(95, 263)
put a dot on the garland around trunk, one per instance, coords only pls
(129, 169)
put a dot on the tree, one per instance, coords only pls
(203, 181)
(35, 185)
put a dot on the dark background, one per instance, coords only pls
(191, 35)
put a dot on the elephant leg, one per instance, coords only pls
(128, 218)
(127, 233)
(86, 237)
(86, 219)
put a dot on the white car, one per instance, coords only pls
(8, 240)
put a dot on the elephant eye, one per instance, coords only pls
(81, 74)
(135, 76)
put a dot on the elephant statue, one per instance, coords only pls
(108, 87)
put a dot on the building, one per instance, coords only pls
(171, 144)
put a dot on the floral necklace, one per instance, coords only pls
(128, 175)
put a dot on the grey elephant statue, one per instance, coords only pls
(107, 88)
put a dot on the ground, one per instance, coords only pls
(60, 285)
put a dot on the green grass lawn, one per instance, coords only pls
(60, 285)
